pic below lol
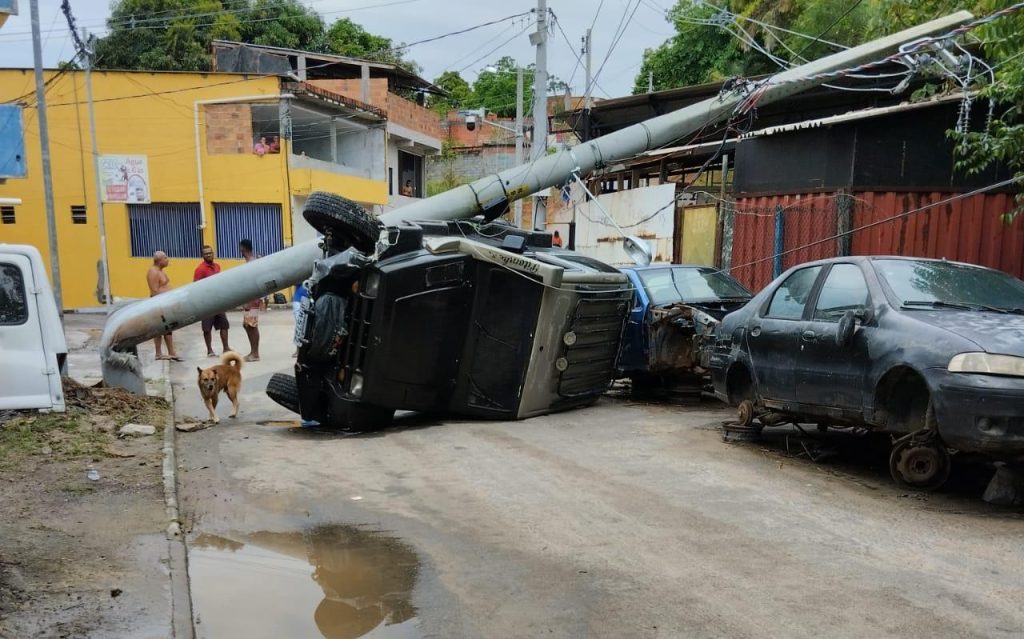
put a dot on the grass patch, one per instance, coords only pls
(77, 489)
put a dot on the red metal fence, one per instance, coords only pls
(971, 229)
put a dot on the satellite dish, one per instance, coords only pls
(638, 250)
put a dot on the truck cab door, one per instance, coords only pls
(25, 366)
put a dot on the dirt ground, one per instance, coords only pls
(82, 557)
(623, 519)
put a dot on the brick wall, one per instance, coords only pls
(353, 89)
(400, 111)
(228, 129)
(412, 116)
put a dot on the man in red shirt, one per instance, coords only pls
(219, 321)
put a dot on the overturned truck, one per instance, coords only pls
(437, 307)
(448, 317)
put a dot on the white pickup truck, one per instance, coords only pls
(32, 345)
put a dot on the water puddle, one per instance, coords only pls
(336, 582)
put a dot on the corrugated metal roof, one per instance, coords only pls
(850, 116)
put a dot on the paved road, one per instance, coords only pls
(619, 520)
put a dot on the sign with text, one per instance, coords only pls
(125, 178)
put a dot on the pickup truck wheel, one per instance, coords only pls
(284, 390)
(343, 220)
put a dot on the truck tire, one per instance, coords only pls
(284, 390)
(347, 222)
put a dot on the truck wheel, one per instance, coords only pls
(343, 220)
(284, 390)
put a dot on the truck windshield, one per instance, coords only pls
(690, 284)
(928, 285)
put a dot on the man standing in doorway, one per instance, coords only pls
(159, 282)
(219, 321)
(251, 310)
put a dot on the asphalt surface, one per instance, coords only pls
(619, 520)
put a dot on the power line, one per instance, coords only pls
(829, 27)
(619, 32)
(142, 22)
(491, 52)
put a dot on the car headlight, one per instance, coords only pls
(987, 363)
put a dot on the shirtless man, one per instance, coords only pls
(159, 282)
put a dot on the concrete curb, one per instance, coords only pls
(170, 470)
(181, 596)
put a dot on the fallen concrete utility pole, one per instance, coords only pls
(143, 320)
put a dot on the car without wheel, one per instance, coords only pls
(930, 351)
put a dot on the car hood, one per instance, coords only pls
(993, 332)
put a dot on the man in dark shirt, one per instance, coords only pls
(219, 321)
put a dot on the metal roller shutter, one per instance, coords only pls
(260, 223)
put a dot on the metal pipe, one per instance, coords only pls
(188, 304)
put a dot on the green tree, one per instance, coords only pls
(283, 23)
(459, 94)
(495, 87)
(175, 35)
(1003, 140)
(350, 39)
(698, 53)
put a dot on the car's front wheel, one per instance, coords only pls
(920, 460)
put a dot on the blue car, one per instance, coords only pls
(675, 308)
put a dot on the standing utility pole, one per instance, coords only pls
(540, 101)
(44, 154)
(87, 61)
(519, 139)
(650, 81)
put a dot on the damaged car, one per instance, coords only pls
(466, 318)
(929, 351)
(675, 310)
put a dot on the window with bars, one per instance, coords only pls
(260, 223)
(78, 214)
(171, 227)
(7, 215)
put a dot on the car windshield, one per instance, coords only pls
(690, 284)
(929, 285)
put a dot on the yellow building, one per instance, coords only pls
(186, 159)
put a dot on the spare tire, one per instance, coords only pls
(284, 390)
(344, 220)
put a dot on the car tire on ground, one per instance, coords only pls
(284, 390)
(345, 221)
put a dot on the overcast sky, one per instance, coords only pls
(412, 20)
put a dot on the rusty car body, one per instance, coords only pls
(674, 312)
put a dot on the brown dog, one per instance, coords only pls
(224, 377)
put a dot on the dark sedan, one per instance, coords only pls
(929, 350)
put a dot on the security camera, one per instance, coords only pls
(470, 122)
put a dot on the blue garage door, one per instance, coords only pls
(261, 223)
(169, 227)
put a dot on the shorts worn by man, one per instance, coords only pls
(251, 310)
(208, 268)
(159, 282)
